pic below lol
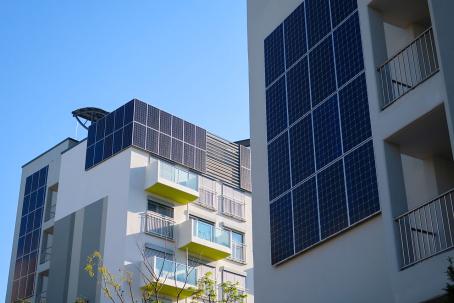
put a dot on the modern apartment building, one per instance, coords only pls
(352, 132)
(144, 185)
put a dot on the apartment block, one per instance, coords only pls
(351, 106)
(151, 192)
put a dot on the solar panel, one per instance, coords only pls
(295, 36)
(298, 92)
(119, 117)
(153, 117)
(316, 104)
(332, 200)
(281, 229)
(323, 81)
(110, 123)
(140, 112)
(354, 110)
(200, 138)
(318, 20)
(361, 183)
(189, 154)
(91, 138)
(152, 141)
(165, 145)
(29, 234)
(327, 133)
(99, 152)
(274, 55)
(127, 135)
(340, 9)
(129, 112)
(89, 156)
(117, 141)
(276, 109)
(305, 215)
(165, 123)
(108, 146)
(139, 136)
(278, 166)
(100, 127)
(189, 133)
(200, 160)
(302, 150)
(177, 151)
(177, 128)
(348, 48)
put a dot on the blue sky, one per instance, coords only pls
(186, 57)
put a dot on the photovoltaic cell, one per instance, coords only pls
(201, 138)
(348, 48)
(274, 55)
(327, 133)
(140, 112)
(177, 151)
(189, 154)
(298, 91)
(153, 117)
(100, 127)
(340, 9)
(118, 141)
(323, 81)
(127, 135)
(91, 138)
(302, 150)
(189, 133)
(295, 36)
(165, 123)
(281, 229)
(361, 183)
(200, 159)
(318, 20)
(108, 146)
(165, 145)
(354, 110)
(152, 140)
(177, 128)
(99, 151)
(139, 135)
(276, 109)
(278, 166)
(332, 200)
(119, 117)
(129, 112)
(110, 124)
(305, 215)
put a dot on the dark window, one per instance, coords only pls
(160, 209)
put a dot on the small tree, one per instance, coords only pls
(230, 291)
(449, 286)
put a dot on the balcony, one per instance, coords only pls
(171, 182)
(41, 297)
(45, 255)
(174, 277)
(233, 208)
(204, 240)
(427, 230)
(408, 68)
(159, 225)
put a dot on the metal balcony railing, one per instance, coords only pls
(51, 212)
(207, 198)
(45, 255)
(238, 252)
(427, 230)
(233, 208)
(408, 68)
(159, 225)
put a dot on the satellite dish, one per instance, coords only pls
(85, 114)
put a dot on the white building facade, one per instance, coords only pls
(351, 106)
(145, 185)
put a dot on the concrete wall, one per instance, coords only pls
(344, 268)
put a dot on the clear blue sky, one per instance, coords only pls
(187, 57)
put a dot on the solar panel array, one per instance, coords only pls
(149, 128)
(321, 166)
(29, 235)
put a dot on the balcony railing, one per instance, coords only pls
(233, 208)
(51, 212)
(408, 68)
(168, 269)
(238, 252)
(159, 225)
(177, 175)
(427, 230)
(41, 297)
(45, 255)
(210, 233)
(207, 198)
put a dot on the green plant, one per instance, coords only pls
(449, 286)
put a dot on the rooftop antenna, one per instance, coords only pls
(86, 114)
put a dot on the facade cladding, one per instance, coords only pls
(146, 127)
(29, 234)
(321, 166)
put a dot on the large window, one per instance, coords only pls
(207, 231)
(178, 175)
(161, 209)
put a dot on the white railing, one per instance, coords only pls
(207, 198)
(51, 212)
(168, 269)
(45, 255)
(238, 252)
(210, 233)
(408, 68)
(159, 225)
(427, 230)
(233, 208)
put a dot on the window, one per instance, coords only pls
(238, 247)
(206, 230)
(161, 209)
